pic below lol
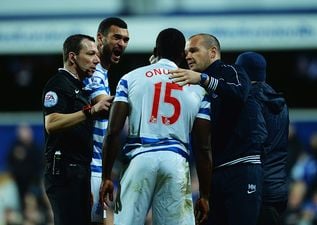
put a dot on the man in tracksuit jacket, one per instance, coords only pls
(238, 132)
(275, 111)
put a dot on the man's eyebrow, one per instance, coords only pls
(121, 36)
(192, 49)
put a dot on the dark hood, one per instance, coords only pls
(274, 101)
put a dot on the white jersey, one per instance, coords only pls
(162, 113)
(97, 85)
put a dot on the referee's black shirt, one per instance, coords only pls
(63, 94)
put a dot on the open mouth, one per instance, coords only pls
(116, 53)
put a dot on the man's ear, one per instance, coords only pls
(99, 39)
(155, 53)
(213, 52)
(72, 57)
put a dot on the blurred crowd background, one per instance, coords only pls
(31, 37)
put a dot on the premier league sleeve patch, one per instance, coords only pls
(50, 99)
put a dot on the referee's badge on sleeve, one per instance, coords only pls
(50, 99)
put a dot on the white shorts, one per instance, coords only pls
(97, 212)
(158, 179)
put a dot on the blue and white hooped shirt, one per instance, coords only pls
(96, 85)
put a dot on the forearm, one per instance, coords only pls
(110, 149)
(201, 136)
(111, 145)
(56, 122)
(232, 86)
(204, 171)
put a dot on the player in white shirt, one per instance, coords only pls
(112, 38)
(161, 116)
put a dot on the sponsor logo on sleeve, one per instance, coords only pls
(50, 99)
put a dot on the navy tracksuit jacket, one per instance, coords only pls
(238, 127)
(238, 136)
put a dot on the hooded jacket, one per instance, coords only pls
(274, 157)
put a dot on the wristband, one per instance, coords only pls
(203, 78)
(87, 110)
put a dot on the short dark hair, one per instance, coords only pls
(208, 40)
(108, 22)
(170, 44)
(73, 44)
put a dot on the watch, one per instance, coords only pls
(203, 78)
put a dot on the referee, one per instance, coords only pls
(68, 132)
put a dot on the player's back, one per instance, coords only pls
(162, 113)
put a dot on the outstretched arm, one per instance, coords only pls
(232, 82)
(111, 146)
(202, 150)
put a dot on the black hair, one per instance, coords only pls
(73, 44)
(170, 44)
(108, 22)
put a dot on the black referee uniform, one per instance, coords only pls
(238, 133)
(67, 182)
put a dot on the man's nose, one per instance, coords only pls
(96, 59)
(188, 55)
(122, 43)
